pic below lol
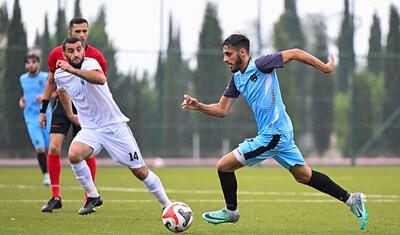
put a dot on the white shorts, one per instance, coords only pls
(117, 139)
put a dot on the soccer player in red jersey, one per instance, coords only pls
(61, 122)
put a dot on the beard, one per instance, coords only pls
(33, 71)
(76, 65)
(236, 66)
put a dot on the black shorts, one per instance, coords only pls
(59, 121)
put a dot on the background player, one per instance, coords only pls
(103, 124)
(32, 84)
(61, 123)
(257, 81)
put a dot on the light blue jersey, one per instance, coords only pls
(32, 87)
(260, 87)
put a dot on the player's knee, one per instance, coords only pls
(54, 148)
(75, 156)
(140, 173)
(222, 166)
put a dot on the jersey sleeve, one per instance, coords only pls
(93, 65)
(57, 84)
(52, 61)
(267, 63)
(231, 91)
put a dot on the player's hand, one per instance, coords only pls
(39, 98)
(22, 102)
(330, 65)
(43, 120)
(74, 119)
(64, 65)
(190, 103)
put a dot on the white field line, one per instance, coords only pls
(375, 197)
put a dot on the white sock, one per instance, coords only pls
(46, 175)
(349, 200)
(155, 187)
(83, 175)
(231, 212)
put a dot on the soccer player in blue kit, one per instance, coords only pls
(33, 83)
(257, 81)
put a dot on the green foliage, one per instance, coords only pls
(11, 114)
(3, 18)
(99, 39)
(346, 50)
(287, 81)
(61, 25)
(341, 120)
(77, 9)
(375, 47)
(322, 88)
(46, 45)
(392, 80)
(210, 80)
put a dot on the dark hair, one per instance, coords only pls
(77, 20)
(32, 57)
(237, 41)
(71, 40)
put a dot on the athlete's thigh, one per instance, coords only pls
(59, 121)
(258, 149)
(291, 155)
(91, 138)
(36, 134)
(121, 145)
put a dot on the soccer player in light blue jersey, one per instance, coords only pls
(33, 82)
(257, 81)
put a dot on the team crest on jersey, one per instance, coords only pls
(82, 82)
(40, 83)
(253, 77)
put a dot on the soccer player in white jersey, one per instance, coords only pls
(102, 122)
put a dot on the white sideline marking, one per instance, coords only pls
(182, 191)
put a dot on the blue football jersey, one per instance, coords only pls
(260, 87)
(32, 87)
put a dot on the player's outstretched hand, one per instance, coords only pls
(43, 120)
(190, 103)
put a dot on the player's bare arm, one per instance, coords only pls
(47, 95)
(65, 100)
(220, 109)
(306, 58)
(22, 102)
(90, 76)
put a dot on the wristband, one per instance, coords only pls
(44, 105)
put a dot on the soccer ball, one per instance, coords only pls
(177, 217)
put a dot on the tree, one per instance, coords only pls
(99, 39)
(392, 80)
(46, 45)
(375, 47)
(3, 18)
(291, 24)
(209, 82)
(172, 97)
(12, 117)
(77, 9)
(61, 25)
(346, 50)
(321, 91)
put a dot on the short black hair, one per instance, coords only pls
(32, 57)
(71, 40)
(77, 20)
(237, 41)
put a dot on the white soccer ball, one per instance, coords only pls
(177, 217)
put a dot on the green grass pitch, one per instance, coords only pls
(270, 202)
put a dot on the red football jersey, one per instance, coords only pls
(91, 52)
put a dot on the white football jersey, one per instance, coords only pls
(94, 102)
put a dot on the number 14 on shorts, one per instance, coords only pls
(134, 157)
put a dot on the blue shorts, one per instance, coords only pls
(280, 147)
(40, 137)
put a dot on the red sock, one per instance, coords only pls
(54, 167)
(92, 166)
